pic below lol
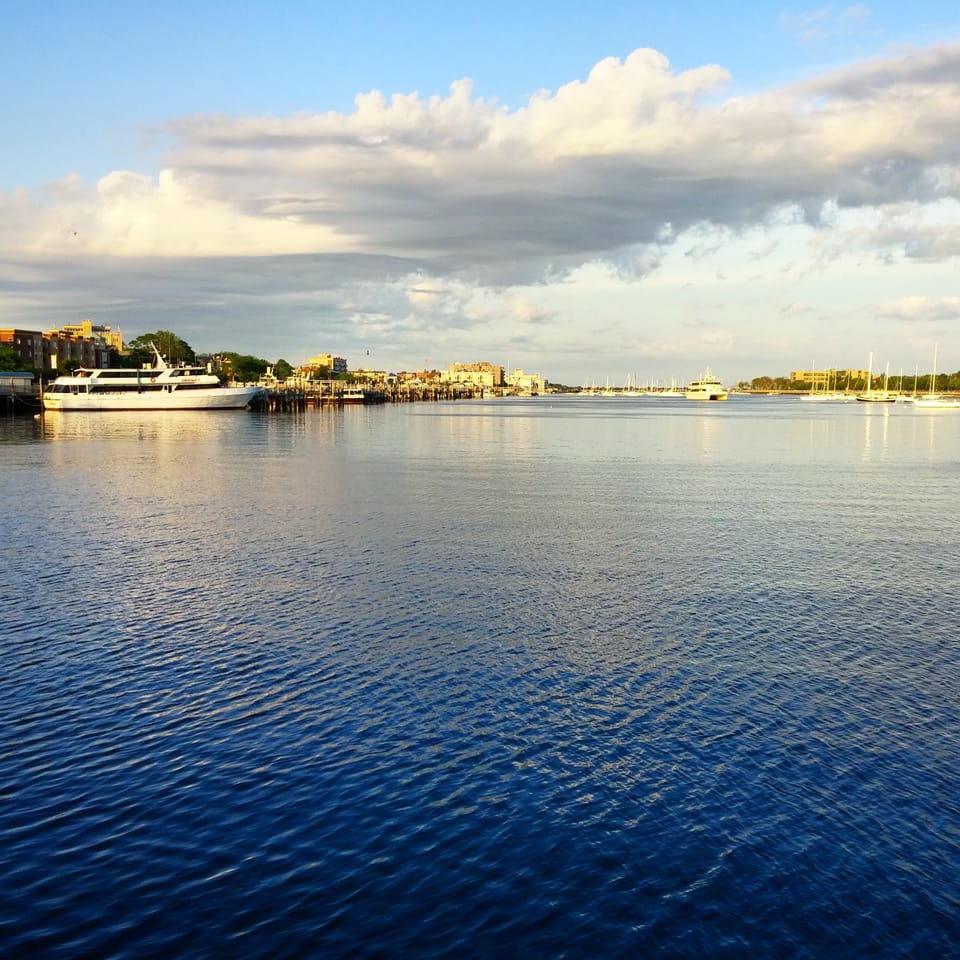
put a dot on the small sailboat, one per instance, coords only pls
(934, 400)
(910, 397)
(876, 396)
(832, 395)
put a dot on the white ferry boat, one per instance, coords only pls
(160, 387)
(708, 387)
(353, 395)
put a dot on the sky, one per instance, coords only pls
(598, 194)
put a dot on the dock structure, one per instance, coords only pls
(336, 393)
(19, 393)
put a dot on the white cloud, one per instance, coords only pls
(923, 309)
(623, 158)
(822, 23)
(457, 217)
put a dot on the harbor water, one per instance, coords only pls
(554, 677)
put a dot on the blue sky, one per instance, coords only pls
(628, 190)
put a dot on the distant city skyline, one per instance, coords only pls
(629, 191)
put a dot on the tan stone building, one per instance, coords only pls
(526, 384)
(476, 374)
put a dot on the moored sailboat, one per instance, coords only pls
(932, 399)
(876, 396)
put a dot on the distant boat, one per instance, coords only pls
(707, 387)
(909, 398)
(813, 395)
(876, 396)
(353, 395)
(825, 394)
(934, 400)
(672, 392)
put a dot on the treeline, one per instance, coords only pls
(234, 366)
(945, 382)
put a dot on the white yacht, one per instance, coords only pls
(160, 387)
(707, 387)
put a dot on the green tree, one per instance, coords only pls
(129, 358)
(169, 344)
(243, 368)
(10, 359)
(282, 369)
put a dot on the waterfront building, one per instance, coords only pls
(90, 352)
(373, 376)
(333, 364)
(475, 374)
(27, 344)
(526, 384)
(87, 328)
(819, 378)
(419, 376)
(828, 378)
(51, 350)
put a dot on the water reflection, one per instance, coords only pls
(873, 433)
(336, 670)
(160, 426)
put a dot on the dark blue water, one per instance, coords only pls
(558, 678)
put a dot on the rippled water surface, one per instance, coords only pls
(556, 677)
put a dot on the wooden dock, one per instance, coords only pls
(24, 398)
(332, 393)
(19, 394)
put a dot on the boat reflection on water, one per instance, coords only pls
(186, 426)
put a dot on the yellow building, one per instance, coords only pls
(87, 328)
(477, 374)
(526, 384)
(829, 377)
(328, 360)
